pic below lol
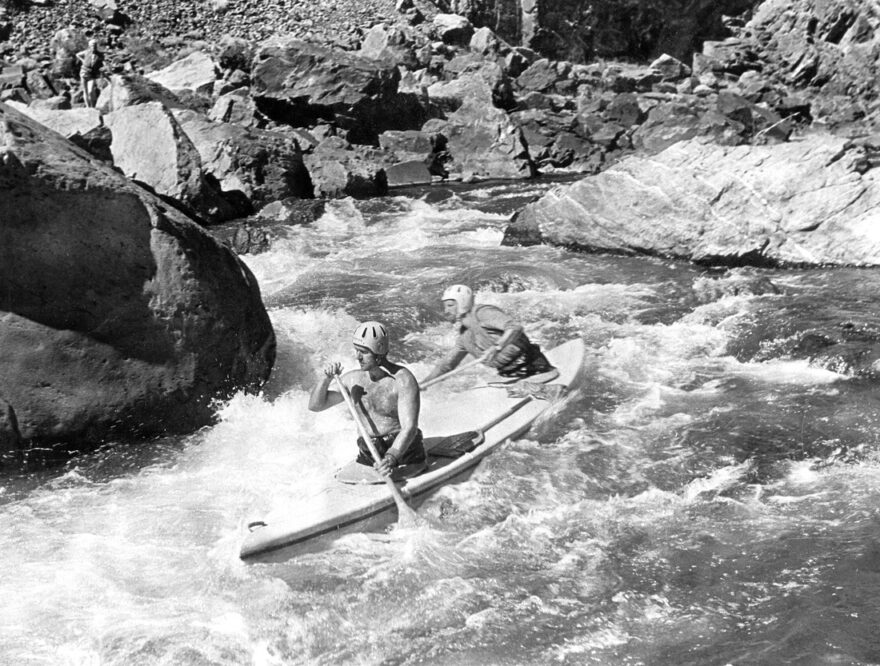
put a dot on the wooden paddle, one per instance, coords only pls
(455, 371)
(406, 516)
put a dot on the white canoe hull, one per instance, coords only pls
(340, 505)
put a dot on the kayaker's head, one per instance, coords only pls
(457, 302)
(370, 343)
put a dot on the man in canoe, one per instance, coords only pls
(488, 333)
(386, 399)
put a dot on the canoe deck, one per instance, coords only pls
(489, 412)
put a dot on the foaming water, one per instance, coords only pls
(706, 495)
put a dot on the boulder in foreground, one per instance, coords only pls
(119, 316)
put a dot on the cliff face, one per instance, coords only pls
(583, 30)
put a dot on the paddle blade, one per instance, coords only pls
(407, 518)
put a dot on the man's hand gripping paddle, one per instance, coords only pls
(406, 516)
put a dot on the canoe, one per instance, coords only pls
(464, 427)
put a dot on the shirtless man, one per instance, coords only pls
(386, 396)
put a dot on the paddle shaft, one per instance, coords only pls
(404, 510)
(455, 371)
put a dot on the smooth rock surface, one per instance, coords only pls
(811, 202)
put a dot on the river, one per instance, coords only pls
(710, 494)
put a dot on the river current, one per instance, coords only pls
(709, 494)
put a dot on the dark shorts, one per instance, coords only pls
(415, 452)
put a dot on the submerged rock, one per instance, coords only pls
(119, 316)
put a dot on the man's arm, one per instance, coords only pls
(449, 362)
(321, 397)
(408, 406)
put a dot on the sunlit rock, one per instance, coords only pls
(814, 201)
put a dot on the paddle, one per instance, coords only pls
(455, 371)
(406, 516)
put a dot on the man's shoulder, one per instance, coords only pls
(402, 374)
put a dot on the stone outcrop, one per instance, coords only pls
(119, 316)
(814, 201)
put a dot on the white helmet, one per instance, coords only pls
(373, 336)
(462, 295)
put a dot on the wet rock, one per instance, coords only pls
(119, 317)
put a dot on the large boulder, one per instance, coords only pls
(150, 146)
(119, 316)
(811, 202)
(300, 83)
(264, 166)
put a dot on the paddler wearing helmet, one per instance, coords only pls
(386, 397)
(487, 332)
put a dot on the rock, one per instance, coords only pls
(298, 84)
(39, 85)
(410, 172)
(339, 170)
(452, 29)
(291, 211)
(120, 317)
(10, 436)
(11, 76)
(485, 42)
(107, 10)
(235, 53)
(540, 76)
(829, 46)
(196, 72)
(801, 203)
(132, 89)
(264, 166)
(238, 108)
(483, 142)
(150, 146)
(669, 68)
(389, 44)
(486, 84)
(82, 126)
